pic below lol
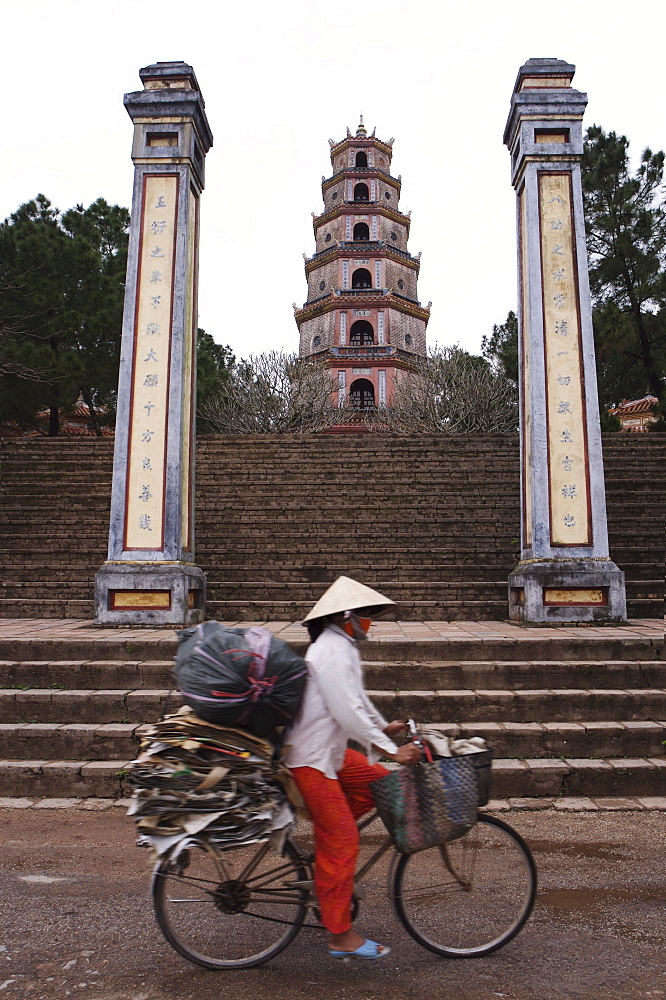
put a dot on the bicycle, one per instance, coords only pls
(238, 907)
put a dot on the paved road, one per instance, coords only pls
(76, 921)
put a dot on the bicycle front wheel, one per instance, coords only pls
(230, 909)
(469, 897)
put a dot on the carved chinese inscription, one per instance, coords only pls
(150, 376)
(569, 523)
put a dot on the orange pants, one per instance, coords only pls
(334, 806)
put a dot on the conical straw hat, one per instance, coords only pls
(346, 595)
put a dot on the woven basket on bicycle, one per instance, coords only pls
(429, 803)
(482, 763)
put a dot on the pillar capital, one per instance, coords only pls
(544, 74)
(545, 117)
(169, 116)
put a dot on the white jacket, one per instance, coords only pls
(335, 708)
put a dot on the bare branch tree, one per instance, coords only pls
(272, 393)
(278, 393)
(454, 392)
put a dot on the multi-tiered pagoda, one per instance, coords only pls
(362, 313)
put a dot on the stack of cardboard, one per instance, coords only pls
(194, 777)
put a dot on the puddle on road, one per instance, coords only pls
(611, 908)
(603, 852)
(585, 899)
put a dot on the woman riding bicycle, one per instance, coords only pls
(333, 780)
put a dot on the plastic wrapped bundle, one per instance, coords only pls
(194, 777)
(239, 677)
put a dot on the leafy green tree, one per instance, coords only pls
(62, 276)
(215, 364)
(626, 239)
(501, 348)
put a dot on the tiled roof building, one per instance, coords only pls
(636, 414)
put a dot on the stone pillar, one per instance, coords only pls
(565, 573)
(150, 576)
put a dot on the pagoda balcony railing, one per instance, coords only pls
(377, 203)
(363, 350)
(370, 293)
(358, 352)
(360, 244)
(361, 170)
(369, 245)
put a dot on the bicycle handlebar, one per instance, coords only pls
(418, 740)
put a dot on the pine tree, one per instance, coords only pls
(626, 238)
(62, 280)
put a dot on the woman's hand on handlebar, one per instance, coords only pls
(397, 728)
(407, 754)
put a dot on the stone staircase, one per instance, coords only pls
(433, 520)
(568, 712)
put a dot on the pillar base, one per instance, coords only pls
(567, 590)
(135, 593)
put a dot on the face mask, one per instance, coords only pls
(356, 627)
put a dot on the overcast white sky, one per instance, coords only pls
(278, 79)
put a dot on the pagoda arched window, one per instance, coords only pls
(361, 231)
(361, 278)
(361, 333)
(361, 192)
(362, 394)
(361, 159)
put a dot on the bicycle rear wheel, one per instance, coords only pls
(230, 909)
(469, 897)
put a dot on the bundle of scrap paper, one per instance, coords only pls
(196, 778)
(445, 747)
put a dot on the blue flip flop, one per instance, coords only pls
(366, 950)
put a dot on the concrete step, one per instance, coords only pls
(259, 592)
(459, 674)
(401, 571)
(73, 741)
(493, 587)
(520, 778)
(462, 706)
(455, 602)
(45, 608)
(510, 740)
(87, 643)
(264, 611)
(422, 581)
(417, 610)
(574, 705)
(527, 675)
(48, 705)
(556, 740)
